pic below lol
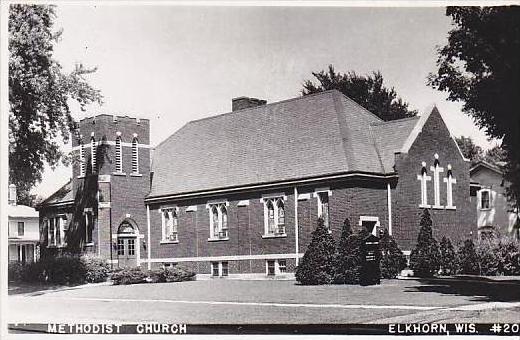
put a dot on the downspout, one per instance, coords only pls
(149, 245)
(296, 248)
(389, 198)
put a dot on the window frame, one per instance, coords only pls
(89, 229)
(319, 194)
(119, 154)
(375, 219)
(272, 226)
(82, 161)
(93, 154)
(22, 224)
(219, 223)
(173, 213)
(489, 203)
(135, 156)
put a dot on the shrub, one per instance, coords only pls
(178, 274)
(126, 276)
(467, 260)
(96, 269)
(509, 253)
(392, 258)
(317, 264)
(65, 269)
(349, 256)
(448, 259)
(424, 258)
(488, 257)
(15, 271)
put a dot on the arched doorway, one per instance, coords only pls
(127, 249)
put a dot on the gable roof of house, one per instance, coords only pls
(22, 211)
(487, 165)
(315, 135)
(63, 195)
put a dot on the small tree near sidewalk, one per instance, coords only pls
(448, 258)
(467, 259)
(424, 258)
(317, 264)
(392, 258)
(349, 255)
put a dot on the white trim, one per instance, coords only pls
(303, 197)
(424, 178)
(270, 185)
(415, 132)
(104, 179)
(217, 201)
(437, 185)
(273, 195)
(324, 189)
(148, 245)
(389, 207)
(191, 208)
(274, 201)
(370, 219)
(227, 258)
(102, 205)
(135, 155)
(243, 203)
(296, 228)
(449, 191)
(113, 143)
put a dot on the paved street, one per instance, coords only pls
(234, 301)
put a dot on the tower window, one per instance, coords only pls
(93, 155)
(135, 156)
(82, 163)
(119, 155)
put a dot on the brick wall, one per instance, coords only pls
(456, 224)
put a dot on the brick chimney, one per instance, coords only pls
(241, 103)
(12, 194)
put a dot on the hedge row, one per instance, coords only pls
(135, 275)
(491, 257)
(323, 263)
(65, 269)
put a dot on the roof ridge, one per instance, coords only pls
(359, 105)
(394, 120)
(265, 105)
(55, 192)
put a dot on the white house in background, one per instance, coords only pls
(494, 214)
(23, 232)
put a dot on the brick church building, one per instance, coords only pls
(240, 193)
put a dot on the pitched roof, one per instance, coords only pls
(484, 164)
(62, 195)
(315, 135)
(21, 211)
(390, 137)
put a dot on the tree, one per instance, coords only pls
(480, 67)
(448, 259)
(392, 258)
(349, 255)
(424, 258)
(368, 91)
(470, 150)
(467, 259)
(317, 264)
(39, 94)
(496, 155)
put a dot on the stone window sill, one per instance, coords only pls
(90, 244)
(274, 236)
(136, 175)
(485, 209)
(119, 173)
(426, 206)
(218, 239)
(451, 208)
(169, 242)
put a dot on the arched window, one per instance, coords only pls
(437, 169)
(93, 154)
(218, 221)
(214, 216)
(270, 217)
(169, 224)
(119, 155)
(281, 212)
(135, 156)
(274, 216)
(82, 163)
(223, 211)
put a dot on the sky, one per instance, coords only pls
(173, 64)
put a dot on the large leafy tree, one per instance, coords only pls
(480, 67)
(368, 91)
(39, 95)
(469, 149)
